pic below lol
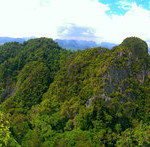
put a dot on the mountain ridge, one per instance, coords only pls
(82, 44)
(68, 44)
(91, 97)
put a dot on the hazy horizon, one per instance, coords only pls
(96, 20)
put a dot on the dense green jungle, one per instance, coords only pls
(53, 97)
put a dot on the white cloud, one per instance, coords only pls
(39, 18)
(125, 5)
(43, 18)
(135, 22)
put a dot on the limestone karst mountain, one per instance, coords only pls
(95, 97)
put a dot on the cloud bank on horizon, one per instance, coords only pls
(97, 20)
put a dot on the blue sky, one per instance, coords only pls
(121, 7)
(97, 20)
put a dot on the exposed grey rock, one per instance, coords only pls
(113, 78)
(142, 76)
(102, 96)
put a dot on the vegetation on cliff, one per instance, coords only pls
(95, 97)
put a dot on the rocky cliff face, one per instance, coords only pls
(129, 63)
(107, 72)
(104, 93)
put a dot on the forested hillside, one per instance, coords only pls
(52, 97)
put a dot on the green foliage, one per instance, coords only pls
(138, 47)
(34, 85)
(74, 138)
(95, 97)
(138, 136)
(4, 130)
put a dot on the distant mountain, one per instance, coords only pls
(107, 45)
(82, 44)
(10, 39)
(76, 44)
(68, 44)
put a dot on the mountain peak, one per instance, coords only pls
(138, 47)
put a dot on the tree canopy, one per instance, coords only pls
(53, 97)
